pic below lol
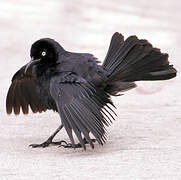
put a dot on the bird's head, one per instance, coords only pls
(44, 51)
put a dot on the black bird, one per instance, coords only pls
(79, 89)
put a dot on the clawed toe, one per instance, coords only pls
(60, 143)
(47, 143)
(43, 145)
(69, 145)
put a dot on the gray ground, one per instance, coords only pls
(145, 140)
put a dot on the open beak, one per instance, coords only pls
(31, 63)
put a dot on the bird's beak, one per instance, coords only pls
(31, 63)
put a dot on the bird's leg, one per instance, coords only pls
(78, 145)
(49, 140)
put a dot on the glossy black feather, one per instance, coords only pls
(78, 109)
(23, 93)
(136, 60)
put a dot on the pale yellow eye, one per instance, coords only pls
(43, 53)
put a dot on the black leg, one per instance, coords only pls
(69, 145)
(49, 140)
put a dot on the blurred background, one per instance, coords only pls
(86, 26)
(147, 115)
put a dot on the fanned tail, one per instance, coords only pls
(134, 60)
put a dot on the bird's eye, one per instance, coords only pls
(43, 53)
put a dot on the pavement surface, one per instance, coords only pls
(144, 143)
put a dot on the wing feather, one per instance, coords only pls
(67, 126)
(10, 99)
(23, 92)
(81, 107)
(17, 99)
(24, 103)
(85, 131)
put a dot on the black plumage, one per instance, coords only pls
(79, 89)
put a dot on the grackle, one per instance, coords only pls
(77, 87)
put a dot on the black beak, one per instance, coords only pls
(31, 63)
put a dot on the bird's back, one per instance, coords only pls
(83, 65)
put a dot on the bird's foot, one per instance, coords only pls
(46, 144)
(49, 140)
(69, 145)
(78, 145)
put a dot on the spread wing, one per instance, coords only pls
(24, 92)
(82, 107)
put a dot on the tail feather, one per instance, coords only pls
(116, 42)
(135, 60)
(118, 86)
(123, 50)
